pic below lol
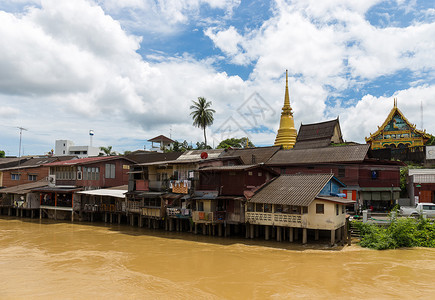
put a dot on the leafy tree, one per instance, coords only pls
(202, 115)
(181, 147)
(235, 143)
(202, 146)
(108, 151)
(431, 141)
(2, 153)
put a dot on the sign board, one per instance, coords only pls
(430, 152)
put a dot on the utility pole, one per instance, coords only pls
(19, 150)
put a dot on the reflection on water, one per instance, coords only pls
(63, 260)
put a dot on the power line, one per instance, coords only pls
(19, 150)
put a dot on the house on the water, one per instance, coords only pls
(290, 204)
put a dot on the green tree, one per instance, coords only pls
(202, 115)
(235, 143)
(202, 146)
(2, 153)
(108, 151)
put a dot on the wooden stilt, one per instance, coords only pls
(316, 234)
(220, 229)
(304, 236)
(266, 232)
(332, 237)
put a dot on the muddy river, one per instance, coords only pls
(51, 260)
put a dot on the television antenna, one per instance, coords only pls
(19, 150)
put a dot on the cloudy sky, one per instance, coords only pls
(130, 69)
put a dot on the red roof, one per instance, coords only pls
(82, 161)
(161, 138)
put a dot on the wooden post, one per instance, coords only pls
(119, 218)
(278, 234)
(220, 229)
(304, 236)
(316, 234)
(332, 237)
(273, 232)
(111, 218)
(291, 235)
(227, 230)
(284, 229)
(55, 213)
(196, 228)
(246, 231)
(105, 217)
(257, 230)
(204, 229)
(31, 214)
(251, 231)
(140, 221)
(72, 216)
(266, 232)
(171, 224)
(9, 211)
(296, 234)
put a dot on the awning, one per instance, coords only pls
(380, 189)
(105, 192)
(57, 189)
(336, 199)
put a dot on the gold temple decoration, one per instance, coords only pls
(286, 137)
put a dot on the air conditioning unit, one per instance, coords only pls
(51, 180)
(79, 175)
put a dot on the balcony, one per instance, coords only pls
(278, 219)
(133, 207)
(153, 212)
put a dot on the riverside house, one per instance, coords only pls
(220, 196)
(369, 182)
(290, 203)
(70, 176)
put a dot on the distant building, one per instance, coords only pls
(319, 135)
(397, 132)
(161, 143)
(66, 147)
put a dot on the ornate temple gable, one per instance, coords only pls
(397, 132)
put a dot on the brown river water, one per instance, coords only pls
(51, 260)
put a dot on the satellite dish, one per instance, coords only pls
(204, 155)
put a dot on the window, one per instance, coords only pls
(250, 173)
(320, 208)
(110, 171)
(341, 172)
(305, 209)
(200, 206)
(337, 211)
(260, 174)
(282, 170)
(31, 177)
(267, 208)
(278, 208)
(342, 209)
(15, 176)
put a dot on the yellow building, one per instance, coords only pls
(286, 137)
(397, 132)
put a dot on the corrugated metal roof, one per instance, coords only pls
(24, 188)
(231, 168)
(332, 154)
(82, 161)
(196, 154)
(300, 189)
(32, 163)
(336, 199)
(252, 155)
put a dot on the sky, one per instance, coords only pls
(129, 70)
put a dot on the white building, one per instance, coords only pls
(66, 147)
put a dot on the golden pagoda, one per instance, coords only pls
(287, 133)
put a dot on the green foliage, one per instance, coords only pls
(107, 151)
(431, 141)
(402, 232)
(180, 147)
(235, 143)
(2, 153)
(202, 146)
(202, 115)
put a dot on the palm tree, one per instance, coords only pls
(108, 151)
(202, 115)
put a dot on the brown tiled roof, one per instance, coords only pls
(259, 154)
(331, 154)
(300, 189)
(316, 135)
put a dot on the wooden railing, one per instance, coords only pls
(152, 212)
(273, 219)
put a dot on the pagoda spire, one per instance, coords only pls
(287, 133)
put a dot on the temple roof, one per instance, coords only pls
(395, 110)
(317, 135)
